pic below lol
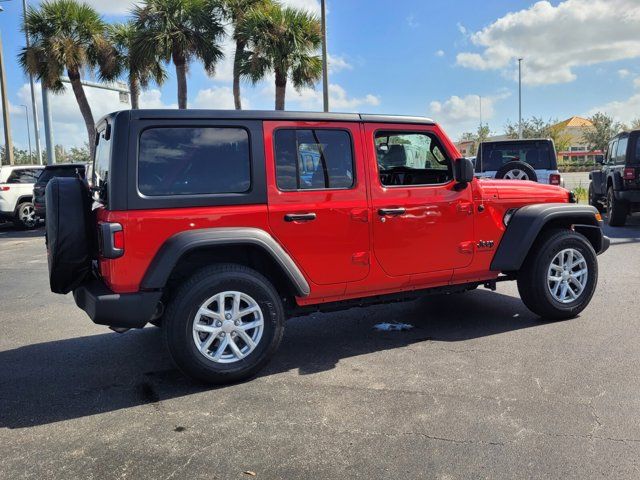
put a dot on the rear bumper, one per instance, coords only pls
(631, 196)
(40, 209)
(124, 310)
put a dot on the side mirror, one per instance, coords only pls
(600, 160)
(463, 170)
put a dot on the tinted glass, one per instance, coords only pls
(101, 164)
(635, 157)
(49, 173)
(24, 175)
(536, 154)
(193, 161)
(313, 159)
(406, 158)
(621, 151)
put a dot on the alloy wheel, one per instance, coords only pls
(516, 174)
(567, 275)
(227, 327)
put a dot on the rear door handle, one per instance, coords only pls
(299, 217)
(383, 212)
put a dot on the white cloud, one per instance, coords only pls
(623, 111)
(338, 63)
(153, 99)
(412, 22)
(623, 73)
(112, 7)
(439, 53)
(217, 98)
(312, 6)
(458, 114)
(554, 40)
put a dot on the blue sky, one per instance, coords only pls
(418, 57)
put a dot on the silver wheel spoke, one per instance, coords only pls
(221, 348)
(204, 346)
(250, 325)
(205, 312)
(201, 327)
(234, 348)
(247, 339)
(247, 311)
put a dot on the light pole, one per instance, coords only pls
(26, 112)
(34, 104)
(325, 71)
(520, 98)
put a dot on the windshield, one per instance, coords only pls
(495, 155)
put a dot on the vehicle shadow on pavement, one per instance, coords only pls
(7, 230)
(630, 233)
(78, 377)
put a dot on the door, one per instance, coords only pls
(422, 221)
(318, 199)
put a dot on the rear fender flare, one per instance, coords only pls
(182, 243)
(527, 223)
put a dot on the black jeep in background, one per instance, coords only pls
(51, 171)
(616, 186)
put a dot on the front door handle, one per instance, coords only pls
(300, 217)
(383, 212)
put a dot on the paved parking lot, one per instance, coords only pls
(478, 389)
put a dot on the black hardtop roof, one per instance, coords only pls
(518, 140)
(269, 115)
(67, 165)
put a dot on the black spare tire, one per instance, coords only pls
(70, 238)
(517, 171)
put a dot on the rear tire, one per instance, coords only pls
(571, 293)
(616, 210)
(206, 312)
(26, 216)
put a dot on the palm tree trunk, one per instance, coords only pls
(85, 108)
(236, 74)
(281, 88)
(134, 91)
(181, 76)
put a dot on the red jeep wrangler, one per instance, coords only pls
(221, 224)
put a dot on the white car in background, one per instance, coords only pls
(16, 194)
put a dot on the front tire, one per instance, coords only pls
(559, 275)
(224, 324)
(616, 210)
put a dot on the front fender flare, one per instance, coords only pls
(181, 243)
(528, 222)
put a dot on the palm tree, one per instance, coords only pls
(67, 35)
(283, 41)
(139, 73)
(179, 31)
(236, 11)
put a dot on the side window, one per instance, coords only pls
(611, 158)
(24, 175)
(411, 158)
(193, 161)
(622, 150)
(313, 159)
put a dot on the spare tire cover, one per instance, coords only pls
(518, 171)
(70, 236)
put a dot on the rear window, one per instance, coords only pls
(50, 173)
(495, 155)
(24, 175)
(635, 156)
(193, 161)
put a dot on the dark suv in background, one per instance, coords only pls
(51, 171)
(615, 187)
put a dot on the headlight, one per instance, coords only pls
(508, 215)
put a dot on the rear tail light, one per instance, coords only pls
(4, 188)
(629, 173)
(111, 240)
(555, 179)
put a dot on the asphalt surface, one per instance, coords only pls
(479, 388)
